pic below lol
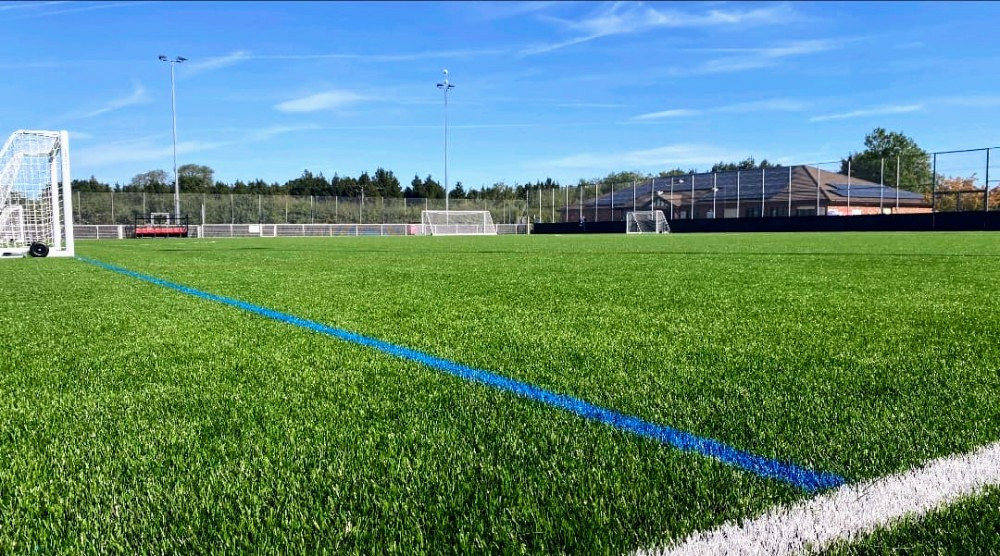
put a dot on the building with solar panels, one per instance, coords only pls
(772, 192)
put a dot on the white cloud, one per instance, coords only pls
(208, 64)
(117, 152)
(668, 156)
(266, 133)
(138, 96)
(627, 18)
(588, 105)
(672, 113)
(880, 111)
(504, 10)
(771, 105)
(405, 57)
(27, 5)
(77, 7)
(755, 58)
(321, 101)
(80, 136)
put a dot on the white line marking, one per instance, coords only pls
(850, 511)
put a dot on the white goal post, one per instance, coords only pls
(647, 222)
(36, 209)
(457, 222)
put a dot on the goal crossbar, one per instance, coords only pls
(646, 222)
(457, 222)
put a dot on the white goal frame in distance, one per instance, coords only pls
(457, 222)
(36, 201)
(646, 222)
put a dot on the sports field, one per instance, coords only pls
(194, 395)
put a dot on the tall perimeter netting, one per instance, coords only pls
(35, 198)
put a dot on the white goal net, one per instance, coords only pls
(647, 222)
(35, 195)
(457, 222)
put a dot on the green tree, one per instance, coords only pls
(308, 184)
(623, 177)
(195, 178)
(416, 189)
(749, 163)
(89, 185)
(674, 172)
(458, 192)
(914, 162)
(387, 184)
(434, 189)
(366, 186)
(153, 181)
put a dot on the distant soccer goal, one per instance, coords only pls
(647, 222)
(457, 222)
(36, 212)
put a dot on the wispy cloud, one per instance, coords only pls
(771, 105)
(328, 100)
(672, 113)
(742, 59)
(506, 10)
(879, 111)
(588, 105)
(27, 5)
(80, 135)
(45, 9)
(138, 96)
(266, 133)
(390, 57)
(623, 18)
(208, 64)
(141, 150)
(668, 156)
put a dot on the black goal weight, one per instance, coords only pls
(38, 250)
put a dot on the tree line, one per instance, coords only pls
(197, 178)
(914, 166)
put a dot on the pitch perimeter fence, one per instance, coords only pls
(965, 180)
(124, 231)
(967, 221)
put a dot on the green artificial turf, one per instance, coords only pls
(969, 528)
(135, 418)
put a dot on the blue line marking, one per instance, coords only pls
(805, 479)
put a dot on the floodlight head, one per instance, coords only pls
(181, 59)
(163, 58)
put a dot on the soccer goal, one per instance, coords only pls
(457, 222)
(36, 211)
(647, 222)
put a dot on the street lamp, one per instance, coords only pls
(173, 113)
(445, 86)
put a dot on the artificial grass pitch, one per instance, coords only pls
(137, 418)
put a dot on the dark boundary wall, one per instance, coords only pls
(929, 222)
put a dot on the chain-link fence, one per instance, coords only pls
(958, 180)
(966, 180)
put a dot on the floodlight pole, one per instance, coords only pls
(445, 86)
(173, 119)
(715, 192)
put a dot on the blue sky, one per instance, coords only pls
(563, 90)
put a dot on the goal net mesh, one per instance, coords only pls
(457, 222)
(647, 222)
(35, 205)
